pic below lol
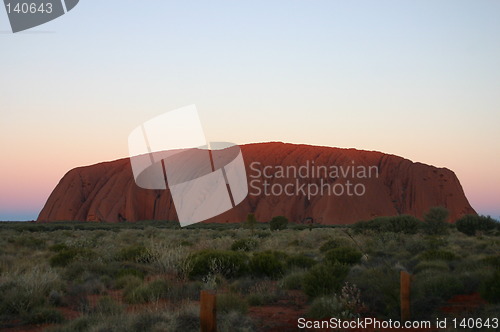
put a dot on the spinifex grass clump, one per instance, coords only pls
(343, 255)
(227, 263)
(324, 279)
(68, 255)
(244, 244)
(300, 261)
(146, 292)
(268, 264)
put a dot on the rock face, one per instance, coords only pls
(329, 185)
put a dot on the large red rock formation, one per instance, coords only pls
(107, 191)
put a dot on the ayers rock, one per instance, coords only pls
(108, 192)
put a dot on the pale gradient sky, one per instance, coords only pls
(419, 79)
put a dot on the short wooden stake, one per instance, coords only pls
(208, 312)
(405, 284)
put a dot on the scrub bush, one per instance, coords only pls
(227, 263)
(267, 264)
(324, 279)
(343, 255)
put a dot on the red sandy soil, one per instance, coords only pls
(462, 304)
(279, 317)
(284, 315)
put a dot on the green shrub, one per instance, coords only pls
(262, 293)
(300, 261)
(235, 322)
(437, 254)
(80, 324)
(228, 302)
(135, 293)
(395, 224)
(93, 285)
(343, 255)
(242, 285)
(189, 291)
(379, 286)
(267, 264)
(415, 245)
(292, 280)
(79, 270)
(434, 265)
(473, 279)
(244, 245)
(441, 285)
(55, 298)
(334, 243)
(490, 288)
(16, 299)
(227, 263)
(44, 315)
(278, 223)
(436, 214)
(22, 292)
(66, 256)
(262, 234)
(58, 247)
(188, 319)
(186, 291)
(134, 253)
(259, 299)
(30, 242)
(325, 307)
(406, 224)
(492, 260)
(107, 306)
(435, 221)
(152, 291)
(128, 271)
(324, 279)
(128, 281)
(255, 300)
(470, 224)
(436, 242)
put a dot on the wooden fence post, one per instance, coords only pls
(405, 284)
(208, 312)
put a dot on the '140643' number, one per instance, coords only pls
(29, 8)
